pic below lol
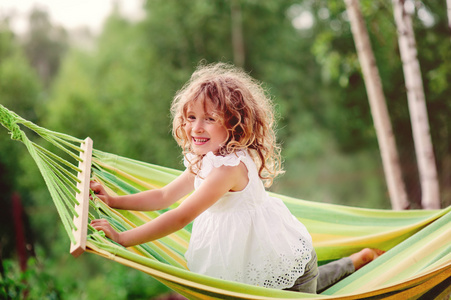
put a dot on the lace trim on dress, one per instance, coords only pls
(211, 161)
(266, 272)
(228, 160)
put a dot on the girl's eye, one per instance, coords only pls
(191, 118)
(211, 118)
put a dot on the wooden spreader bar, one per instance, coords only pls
(82, 209)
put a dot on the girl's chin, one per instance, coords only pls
(202, 151)
(198, 151)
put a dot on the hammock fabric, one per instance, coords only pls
(417, 264)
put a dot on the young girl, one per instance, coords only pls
(224, 122)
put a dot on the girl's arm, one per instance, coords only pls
(218, 182)
(151, 199)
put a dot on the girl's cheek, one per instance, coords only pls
(187, 128)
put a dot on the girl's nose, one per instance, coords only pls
(198, 127)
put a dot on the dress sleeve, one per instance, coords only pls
(211, 161)
(230, 160)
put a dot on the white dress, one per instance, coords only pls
(247, 236)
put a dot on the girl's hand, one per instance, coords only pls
(103, 225)
(100, 192)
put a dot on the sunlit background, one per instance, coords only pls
(72, 15)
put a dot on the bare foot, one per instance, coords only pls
(361, 258)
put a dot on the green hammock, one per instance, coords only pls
(417, 264)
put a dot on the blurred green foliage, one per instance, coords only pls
(119, 89)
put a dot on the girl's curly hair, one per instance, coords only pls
(243, 107)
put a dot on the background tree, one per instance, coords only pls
(379, 110)
(430, 197)
(429, 22)
(45, 45)
(19, 90)
(239, 55)
(448, 6)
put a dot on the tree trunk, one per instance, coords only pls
(430, 194)
(379, 111)
(19, 231)
(237, 34)
(448, 6)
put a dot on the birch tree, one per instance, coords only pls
(430, 195)
(448, 6)
(379, 111)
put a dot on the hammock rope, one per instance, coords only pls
(417, 263)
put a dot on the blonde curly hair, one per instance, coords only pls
(244, 109)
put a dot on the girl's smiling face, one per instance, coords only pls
(204, 128)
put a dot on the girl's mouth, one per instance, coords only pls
(200, 141)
